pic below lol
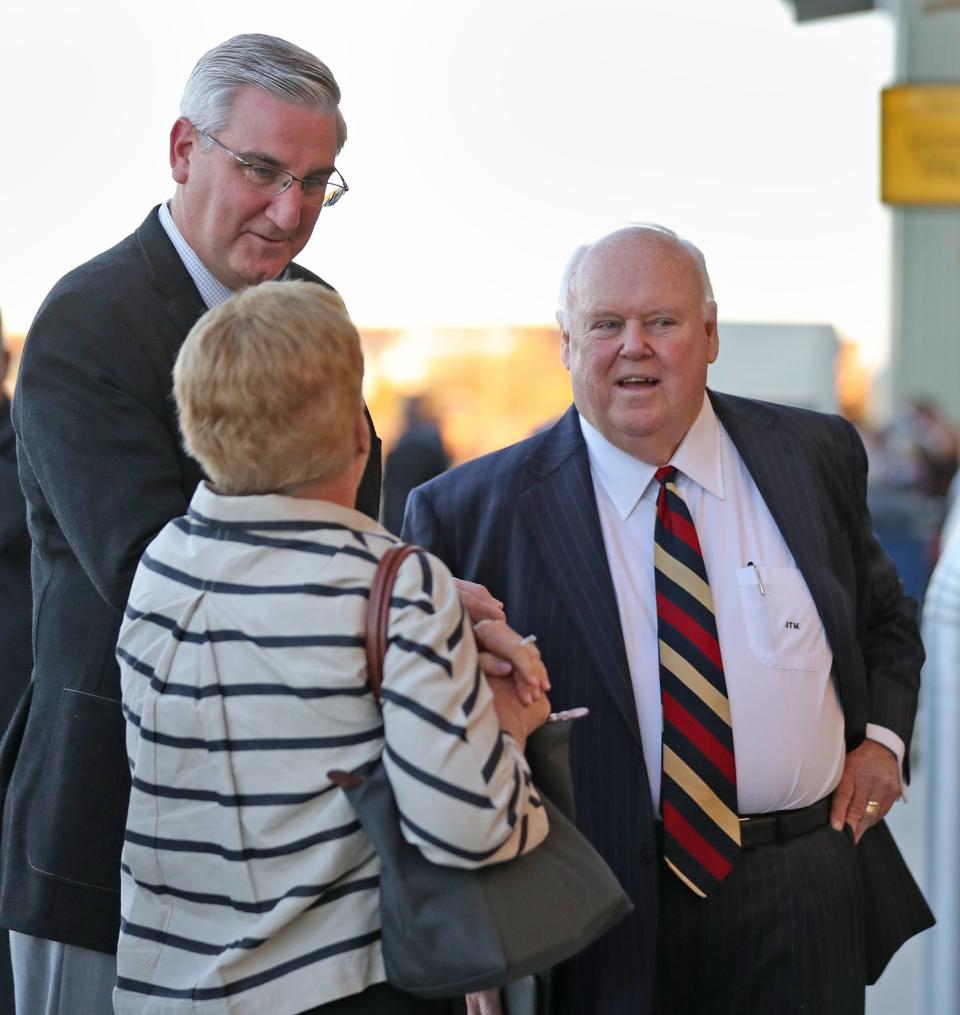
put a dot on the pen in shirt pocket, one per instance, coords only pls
(750, 563)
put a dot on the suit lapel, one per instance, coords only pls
(560, 511)
(167, 273)
(791, 491)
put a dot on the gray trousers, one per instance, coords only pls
(51, 978)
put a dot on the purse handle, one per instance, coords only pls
(375, 626)
(378, 611)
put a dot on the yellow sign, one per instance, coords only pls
(920, 159)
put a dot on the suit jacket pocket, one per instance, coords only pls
(894, 907)
(81, 807)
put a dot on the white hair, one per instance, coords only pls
(637, 229)
(279, 67)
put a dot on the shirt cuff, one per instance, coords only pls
(890, 740)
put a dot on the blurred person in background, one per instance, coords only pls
(15, 649)
(417, 455)
(912, 463)
(940, 750)
(701, 573)
(922, 448)
(235, 832)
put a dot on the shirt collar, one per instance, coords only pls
(212, 290)
(626, 478)
(276, 507)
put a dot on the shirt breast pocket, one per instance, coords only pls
(783, 627)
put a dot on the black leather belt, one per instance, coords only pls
(762, 829)
(778, 826)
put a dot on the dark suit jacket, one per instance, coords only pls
(524, 522)
(15, 648)
(103, 471)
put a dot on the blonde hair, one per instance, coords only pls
(268, 388)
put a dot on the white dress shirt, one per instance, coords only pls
(788, 726)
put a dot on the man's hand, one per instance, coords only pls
(870, 773)
(478, 602)
(504, 653)
(484, 1002)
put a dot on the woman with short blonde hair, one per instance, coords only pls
(247, 883)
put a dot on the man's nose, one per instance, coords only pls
(285, 209)
(635, 340)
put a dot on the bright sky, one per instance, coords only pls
(486, 141)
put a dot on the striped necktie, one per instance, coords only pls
(698, 795)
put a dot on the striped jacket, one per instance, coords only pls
(247, 884)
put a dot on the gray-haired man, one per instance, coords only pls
(101, 465)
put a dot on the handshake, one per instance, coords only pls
(512, 665)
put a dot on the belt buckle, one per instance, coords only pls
(759, 824)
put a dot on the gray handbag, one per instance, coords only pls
(447, 931)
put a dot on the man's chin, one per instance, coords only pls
(261, 270)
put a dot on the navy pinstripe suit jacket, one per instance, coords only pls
(524, 522)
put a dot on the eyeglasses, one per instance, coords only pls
(317, 190)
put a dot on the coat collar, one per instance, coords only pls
(560, 511)
(790, 488)
(788, 477)
(167, 274)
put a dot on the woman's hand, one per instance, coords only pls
(503, 653)
(515, 718)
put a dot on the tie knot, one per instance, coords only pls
(665, 473)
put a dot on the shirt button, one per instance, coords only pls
(646, 855)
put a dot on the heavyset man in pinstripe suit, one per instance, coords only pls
(819, 648)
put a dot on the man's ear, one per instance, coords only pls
(183, 145)
(363, 434)
(564, 339)
(712, 332)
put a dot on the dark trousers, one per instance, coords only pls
(382, 999)
(783, 934)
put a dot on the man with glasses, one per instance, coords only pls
(253, 156)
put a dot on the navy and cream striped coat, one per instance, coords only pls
(247, 884)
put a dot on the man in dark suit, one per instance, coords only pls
(103, 470)
(15, 647)
(744, 646)
(14, 563)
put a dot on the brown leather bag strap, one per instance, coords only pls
(378, 611)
